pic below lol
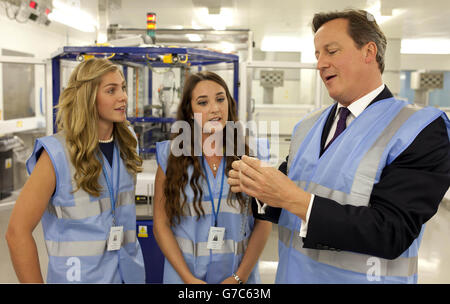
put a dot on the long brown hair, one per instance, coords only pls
(177, 169)
(78, 118)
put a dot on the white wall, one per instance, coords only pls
(427, 62)
(391, 75)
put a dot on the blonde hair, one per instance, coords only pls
(78, 118)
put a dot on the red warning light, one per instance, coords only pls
(33, 4)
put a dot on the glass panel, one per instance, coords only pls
(18, 88)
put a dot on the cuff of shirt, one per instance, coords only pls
(261, 207)
(304, 224)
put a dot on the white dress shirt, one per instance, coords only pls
(355, 109)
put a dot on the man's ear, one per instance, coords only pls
(370, 52)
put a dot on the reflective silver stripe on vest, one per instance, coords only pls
(189, 210)
(359, 196)
(85, 208)
(199, 249)
(348, 260)
(85, 248)
(301, 132)
(366, 172)
(125, 198)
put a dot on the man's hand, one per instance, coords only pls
(268, 185)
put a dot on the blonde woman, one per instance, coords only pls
(82, 188)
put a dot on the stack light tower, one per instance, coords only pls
(151, 26)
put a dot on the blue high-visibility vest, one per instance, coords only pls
(346, 173)
(77, 225)
(211, 265)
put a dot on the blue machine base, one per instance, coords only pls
(153, 257)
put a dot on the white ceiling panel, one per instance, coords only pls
(412, 18)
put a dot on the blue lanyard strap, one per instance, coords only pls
(211, 196)
(112, 195)
(110, 189)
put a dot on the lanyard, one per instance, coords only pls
(211, 196)
(112, 195)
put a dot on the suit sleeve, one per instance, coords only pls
(407, 196)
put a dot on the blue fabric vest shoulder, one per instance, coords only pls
(371, 142)
(76, 225)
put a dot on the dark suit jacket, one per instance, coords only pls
(407, 195)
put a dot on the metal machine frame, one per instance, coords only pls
(143, 56)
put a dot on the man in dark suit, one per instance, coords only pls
(363, 176)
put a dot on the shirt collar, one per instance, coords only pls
(359, 105)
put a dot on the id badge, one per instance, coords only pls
(115, 238)
(215, 238)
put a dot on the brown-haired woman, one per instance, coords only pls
(206, 233)
(82, 187)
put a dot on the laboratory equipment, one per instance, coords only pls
(155, 77)
(423, 82)
(22, 92)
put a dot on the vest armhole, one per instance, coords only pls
(54, 162)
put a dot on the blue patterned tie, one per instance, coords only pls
(341, 124)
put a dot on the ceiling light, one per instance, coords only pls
(293, 43)
(425, 46)
(216, 21)
(374, 8)
(72, 16)
(281, 44)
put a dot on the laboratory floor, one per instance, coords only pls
(434, 265)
